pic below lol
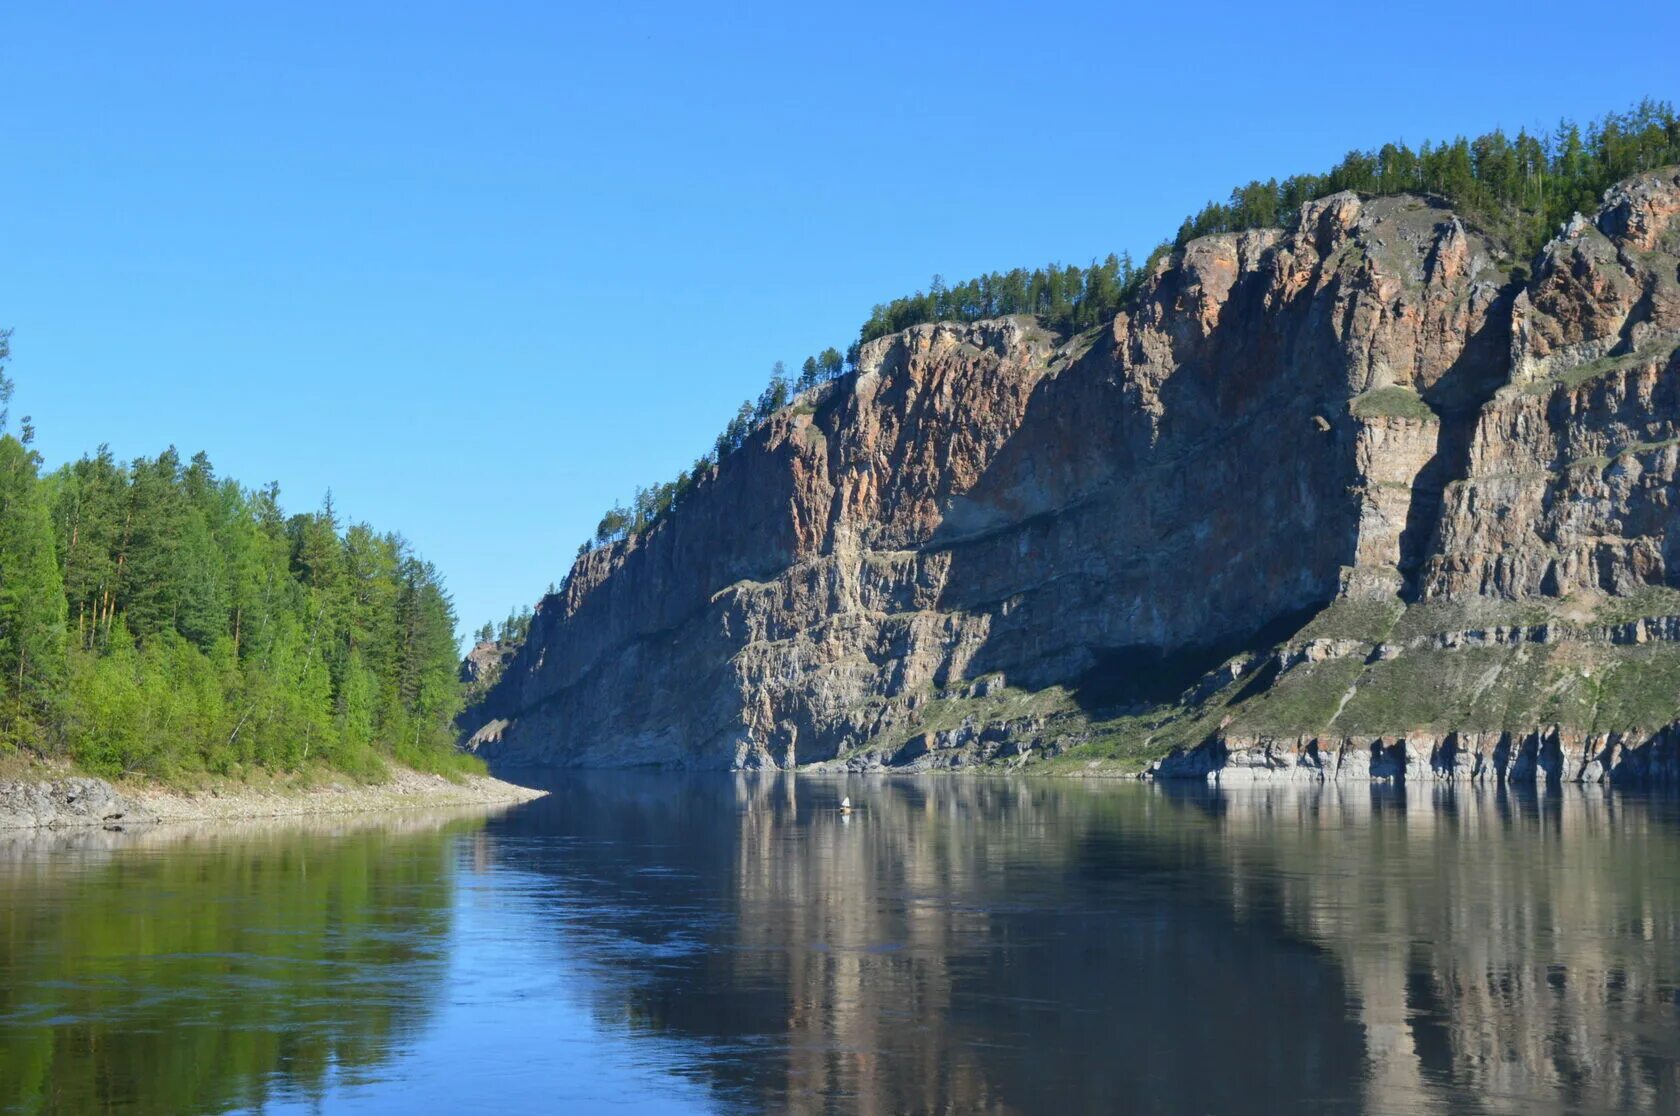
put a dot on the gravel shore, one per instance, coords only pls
(407, 790)
(74, 800)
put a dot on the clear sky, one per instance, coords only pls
(482, 268)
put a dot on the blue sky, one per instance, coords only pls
(483, 268)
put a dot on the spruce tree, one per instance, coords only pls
(31, 592)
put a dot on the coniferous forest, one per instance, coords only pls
(158, 619)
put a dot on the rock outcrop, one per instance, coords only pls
(482, 666)
(70, 801)
(1376, 412)
(1555, 754)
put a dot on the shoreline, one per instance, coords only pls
(1540, 775)
(62, 799)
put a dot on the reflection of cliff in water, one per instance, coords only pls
(985, 944)
(960, 944)
(1499, 945)
(169, 972)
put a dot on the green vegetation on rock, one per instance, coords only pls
(1393, 401)
(1067, 297)
(1521, 187)
(1603, 368)
(1368, 620)
(1388, 676)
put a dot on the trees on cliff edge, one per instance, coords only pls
(1520, 189)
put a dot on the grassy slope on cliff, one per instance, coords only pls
(1589, 685)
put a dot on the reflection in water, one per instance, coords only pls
(1500, 945)
(986, 944)
(957, 944)
(173, 972)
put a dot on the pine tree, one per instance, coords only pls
(831, 363)
(88, 504)
(149, 570)
(31, 592)
(201, 597)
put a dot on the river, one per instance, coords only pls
(672, 943)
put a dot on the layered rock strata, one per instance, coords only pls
(1555, 755)
(1376, 406)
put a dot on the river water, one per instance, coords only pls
(661, 943)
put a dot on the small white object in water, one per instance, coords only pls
(846, 805)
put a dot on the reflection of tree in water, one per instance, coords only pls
(158, 974)
(961, 944)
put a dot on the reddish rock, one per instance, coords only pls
(1367, 404)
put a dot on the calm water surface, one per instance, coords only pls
(655, 943)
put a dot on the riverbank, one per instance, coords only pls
(58, 797)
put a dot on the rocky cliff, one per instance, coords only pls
(1366, 479)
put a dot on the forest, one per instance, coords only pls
(1068, 298)
(511, 631)
(157, 619)
(1521, 188)
(1518, 188)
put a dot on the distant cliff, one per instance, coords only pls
(1365, 480)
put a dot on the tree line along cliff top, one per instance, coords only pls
(1519, 190)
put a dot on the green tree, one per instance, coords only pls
(157, 618)
(148, 570)
(88, 514)
(32, 642)
(201, 597)
(1519, 188)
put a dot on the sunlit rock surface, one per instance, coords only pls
(1376, 414)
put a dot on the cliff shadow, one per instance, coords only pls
(1144, 675)
(1148, 522)
(1457, 399)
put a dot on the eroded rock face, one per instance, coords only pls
(1569, 475)
(1373, 403)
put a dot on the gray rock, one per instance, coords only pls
(1368, 406)
(66, 802)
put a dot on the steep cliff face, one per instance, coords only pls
(994, 542)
